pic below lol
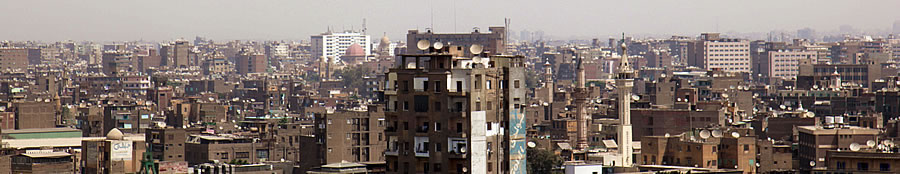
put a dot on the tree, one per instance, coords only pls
(531, 79)
(543, 161)
(352, 77)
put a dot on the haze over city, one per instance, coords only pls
(109, 20)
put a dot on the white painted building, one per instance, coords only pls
(584, 169)
(786, 63)
(728, 55)
(334, 45)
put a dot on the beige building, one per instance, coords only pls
(114, 154)
(786, 63)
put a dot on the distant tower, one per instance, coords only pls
(548, 81)
(581, 95)
(624, 83)
(836, 80)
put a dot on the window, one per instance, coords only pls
(490, 106)
(516, 83)
(477, 106)
(437, 147)
(437, 167)
(437, 86)
(459, 127)
(862, 166)
(840, 165)
(488, 85)
(242, 155)
(489, 127)
(746, 147)
(437, 126)
(884, 167)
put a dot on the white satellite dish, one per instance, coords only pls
(635, 97)
(812, 163)
(531, 144)
(724, 95)
(717, 133)
(704, 134)
(662, 75)
(462, 150)
(667, 135)
(782, 107)
(870, 143)
(735, 134)
(854, 146)
(423, 44)
(438, 45)
(809, 114)
(887, 142)
(476, 49)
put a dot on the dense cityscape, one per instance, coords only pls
(488, 99)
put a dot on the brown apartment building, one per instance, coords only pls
(448, 114)
(353, 135)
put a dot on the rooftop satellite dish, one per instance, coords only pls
(531, 144)
(717, 133)
(809, 114)
(854, 146)
(635, 97)
(735, 134)
(476, 49)
(423, 44)
(782, 107)
(887, 142)
(724, 95)
(667, 135)
(438, 45)
(462, 150)
(812, 163)
(870, 143)
(704, 134)
(662, 75)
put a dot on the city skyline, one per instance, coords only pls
(296, 20)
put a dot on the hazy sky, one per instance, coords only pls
(111, 20)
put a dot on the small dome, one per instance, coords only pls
(385, 41)
(115, 134)
(355, 50)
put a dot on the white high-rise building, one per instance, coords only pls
(728, 55)
(334, 45)
(786, 63)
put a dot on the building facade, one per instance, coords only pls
(456, 115)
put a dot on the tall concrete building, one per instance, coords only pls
(249, 61)
(353, 135)
(176, 54)
(714, 52)
(494, 41)
(448, 114)
(115, 61)
(786, 63)
(13, 58)
(333, 45)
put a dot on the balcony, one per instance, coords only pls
(422, 147)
